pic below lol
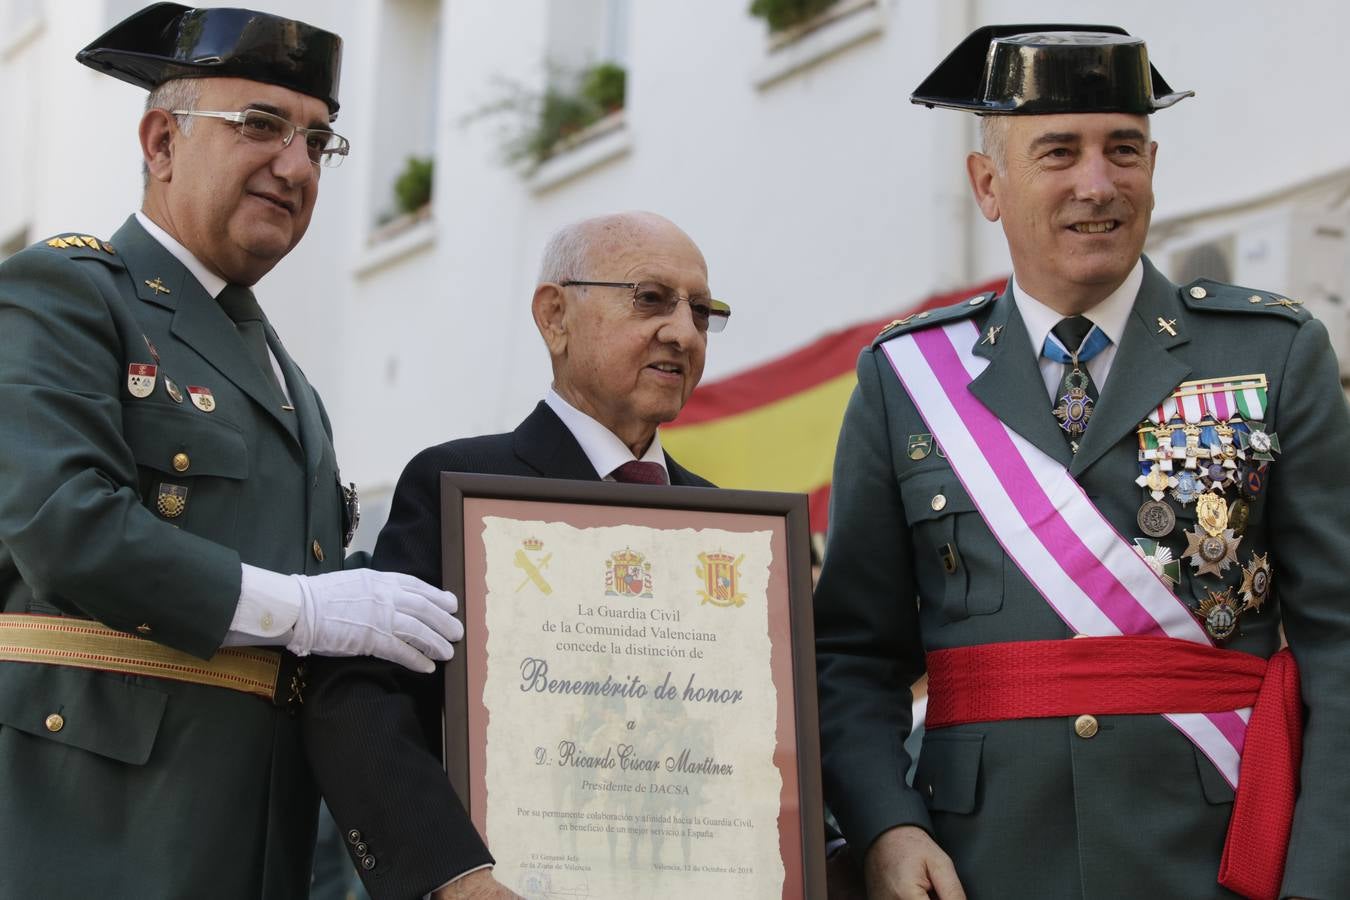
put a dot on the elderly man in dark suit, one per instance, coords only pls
(624, 309)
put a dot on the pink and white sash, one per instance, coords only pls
(1088, 573)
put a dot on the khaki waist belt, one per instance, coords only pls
(86, 644)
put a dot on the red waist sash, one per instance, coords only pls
(1146, 675)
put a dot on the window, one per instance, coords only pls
(403, 141)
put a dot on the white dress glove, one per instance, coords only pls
(361, 612)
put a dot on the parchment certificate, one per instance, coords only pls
(632, 718)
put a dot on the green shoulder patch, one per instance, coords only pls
(942, 314)
(1209, 295)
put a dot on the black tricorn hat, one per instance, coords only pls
(168, 40)
(1038, 69)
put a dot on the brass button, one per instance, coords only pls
(353, 836)
(143, 628)
(318, 551)
(1199, 293)
(181, 462)
(367, 862)
(55, 722)
(939, 502)
(1085, 727)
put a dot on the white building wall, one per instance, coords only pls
(819, 199)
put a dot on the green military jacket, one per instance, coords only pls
(1028, 808)
(137, 511)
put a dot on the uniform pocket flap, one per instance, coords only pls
(1215, 787)
(932, 496)
(949, 771)
(94, 711)
(183, 442)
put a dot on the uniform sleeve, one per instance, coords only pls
(70, 512)
(372, 729)
(1307, 498)
(867, 636)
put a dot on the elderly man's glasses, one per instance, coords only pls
(652, 298)
(325, 148)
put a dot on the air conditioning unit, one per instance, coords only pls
(1301, 254)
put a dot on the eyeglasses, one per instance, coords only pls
(325, 148)
(652, 298)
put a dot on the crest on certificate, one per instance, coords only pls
(720, 573)
(532, 561)
(628, 574)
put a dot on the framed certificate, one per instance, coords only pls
(632, 711)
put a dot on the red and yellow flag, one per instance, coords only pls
(774, 427)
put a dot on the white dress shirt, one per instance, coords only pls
(602, 446)
(1110, 316)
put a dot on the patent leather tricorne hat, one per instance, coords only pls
(168, 40)
(1043, 69)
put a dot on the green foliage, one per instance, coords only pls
(412, 188)
(783, 14)
(570, 104)
(604, 85)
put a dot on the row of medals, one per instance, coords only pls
(1217, 458)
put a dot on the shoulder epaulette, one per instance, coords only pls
(1209, 295)
(81, 245)
(928, 317)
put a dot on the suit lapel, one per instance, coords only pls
(1011, 386)
(198, 320)
(543, 443)
(1143, 373)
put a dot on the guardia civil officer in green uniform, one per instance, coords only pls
(171, 521)
(1086, 507)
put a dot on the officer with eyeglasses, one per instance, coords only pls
(172, 523)
(624, 309)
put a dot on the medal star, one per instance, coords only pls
(1210, 554)
(1256, 581)
(1159, 559)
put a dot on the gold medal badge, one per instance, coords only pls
(1211, 513)
(202, 398)
(1219, 611)
(171, 500)
(1256, 581)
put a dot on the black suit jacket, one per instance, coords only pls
(372, 729)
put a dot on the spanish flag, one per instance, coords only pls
(774, 427)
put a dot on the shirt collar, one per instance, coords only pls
(601, 446)
(212, 283)
(1110, 315)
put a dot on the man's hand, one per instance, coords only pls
(904, 863)
(478, 885)
(362, 612)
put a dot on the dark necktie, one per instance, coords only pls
(1073, 342)
(242, 308)
(638, 472)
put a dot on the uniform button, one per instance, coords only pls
(939, 502)
(353, 836)
(1085, 726)
(361, 849)
(1199, 293)
(367, 862)
(55, 722)
(181, 463)
(922, 315)
(976, 301)
(144, 628)
(318, 551)
(267, 621)
(930, 790)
